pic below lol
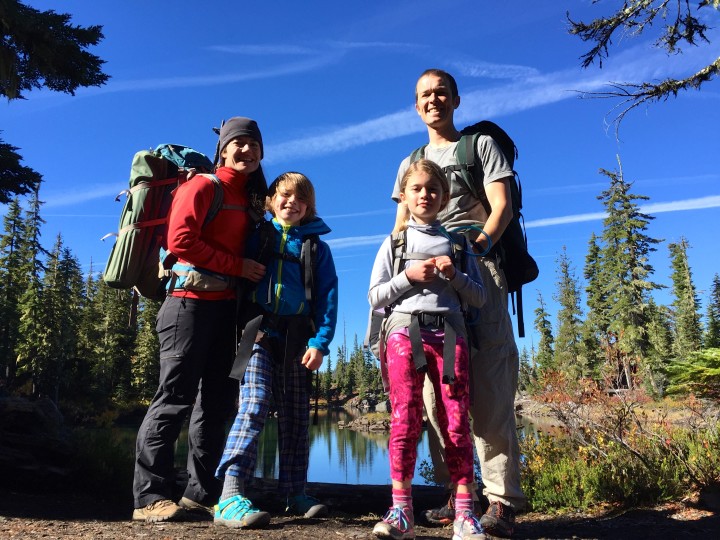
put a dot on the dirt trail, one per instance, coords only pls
(67, 516)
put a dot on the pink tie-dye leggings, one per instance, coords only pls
(406, 386)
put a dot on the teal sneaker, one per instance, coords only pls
(306, 506)
(237, 512)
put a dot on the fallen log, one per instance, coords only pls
(345, 498)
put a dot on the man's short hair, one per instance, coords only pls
(449, 79)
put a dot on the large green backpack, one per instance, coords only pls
(518, 265)
(135, 259)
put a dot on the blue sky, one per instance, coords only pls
(331, 86)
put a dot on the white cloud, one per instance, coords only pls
(489, 70)
(701, 203)
(534, 90)
(263, 50)
(355, 241)
(712, 201)
(54, 200)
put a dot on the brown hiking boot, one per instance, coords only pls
(444, 515)
(161, 510)
(499, 520)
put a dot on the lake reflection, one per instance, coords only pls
(345, 456)
(340, 456)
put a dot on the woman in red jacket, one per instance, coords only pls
(196, 328)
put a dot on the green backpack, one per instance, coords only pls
(518, 265)
(138, 259)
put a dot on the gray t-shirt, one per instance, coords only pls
(463, 209)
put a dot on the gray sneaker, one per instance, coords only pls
(397, 524)
(467, 527)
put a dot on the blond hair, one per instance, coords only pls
(300, 185)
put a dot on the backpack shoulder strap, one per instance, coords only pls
(398, 245)
(217, 202)
(418, 153)
(266, 242)
(469, 168)
(308, 261)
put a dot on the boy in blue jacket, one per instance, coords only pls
(288, 333)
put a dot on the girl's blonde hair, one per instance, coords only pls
(300, 185)
(435, 172)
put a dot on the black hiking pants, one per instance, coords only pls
(197, 348)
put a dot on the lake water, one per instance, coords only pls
(341, 456)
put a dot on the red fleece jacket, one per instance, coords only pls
(220, 245)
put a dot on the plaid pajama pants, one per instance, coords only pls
(263, 381)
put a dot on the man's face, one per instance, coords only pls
(435, 103)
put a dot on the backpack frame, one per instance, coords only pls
(137, 260)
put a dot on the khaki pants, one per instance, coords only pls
(493, 382)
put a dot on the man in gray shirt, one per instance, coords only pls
(494, 362)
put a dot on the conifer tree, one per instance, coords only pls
(626, 268)
(677, 24)
(40, 49)
(32, 346)
(112, 373)
(327, 379)
(597, 321)
(712, 330)
(375, 384)
(358, 369)
(569, 321)
(686, 317)
(145, 362)
(62, 285)
(544, 358)
(526, 377)
(342, 373)
(12, 283)
(82, 380)
(659, 333)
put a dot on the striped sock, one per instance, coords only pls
(233, 485)
(463, 502)
(402, 497)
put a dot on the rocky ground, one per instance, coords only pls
(65, 516)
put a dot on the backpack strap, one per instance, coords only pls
(308, 264)
(469, 169)
(400, 256)
(217, 199)
(168, 259)
(418, 153)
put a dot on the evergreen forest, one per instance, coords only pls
(67, 336)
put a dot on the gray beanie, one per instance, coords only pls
(238, 126)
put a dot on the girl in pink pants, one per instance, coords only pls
(425, 278)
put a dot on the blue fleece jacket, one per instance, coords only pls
(282, 289)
